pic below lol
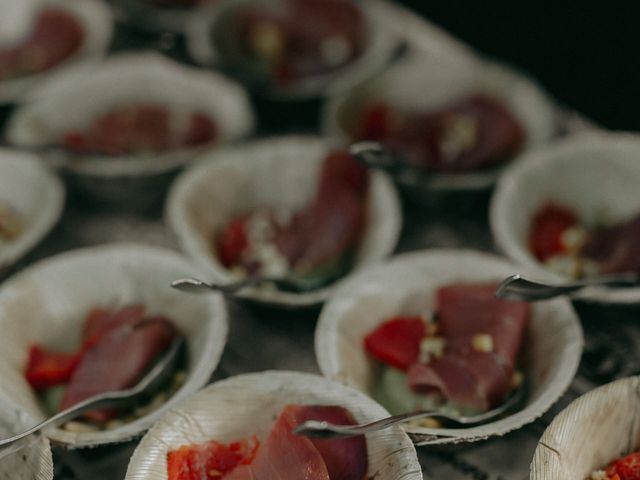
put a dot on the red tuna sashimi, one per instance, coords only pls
(100, 321)
(469, 309)
(117, 361)
(333, 223)
(617, 248)
(474, 379)
(396, 342)
(55, 36)
(211, 460)
(474, 132)
(284, 456)
(346, 459)
(479, 379)
(140, 128)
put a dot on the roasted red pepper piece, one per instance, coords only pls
(233, 242)
(46, 369)
(210, 460)
(547, 227)
(627, 468)
(397, 341)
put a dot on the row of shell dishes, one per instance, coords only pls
(419, 330)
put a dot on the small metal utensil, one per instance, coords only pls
(154, 379)
(516, 287)
(326, 430)
(292, 284)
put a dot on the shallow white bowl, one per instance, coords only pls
(248, 404)
(406, 284)
(37, 196)
(595, 429)
(279, 172)
(72, 100)
(430, 79)
(97, 21)
(377, 52)
(34, 462)
(594, 174)
(47, 304)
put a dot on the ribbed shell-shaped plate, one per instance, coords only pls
(594, 174)
(248, 404)
(280, 173)
(597, 428)
(47, 304)
(426, 80)
(32, 462)
(97, 22)
(35, 194)
(406, 285)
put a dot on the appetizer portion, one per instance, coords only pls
(558, 239)
(118, 348)
(177, 3)
(462, 359)
(10, 224)
(291, 40)
(142, 128)
(315, 244)
(55, 36)
(468, 134)
(626, 468)
(283, 454)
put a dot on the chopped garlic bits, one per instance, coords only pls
(431, 347)
(482, 342)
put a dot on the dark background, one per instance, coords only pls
(588, 58)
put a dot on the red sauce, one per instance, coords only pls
(471, 133)
(141, 128)
(55, 36)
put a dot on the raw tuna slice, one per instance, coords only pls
(346, 459)
(468, 309)
(616, 249)
(471, 374)
(100, 320)
(332, 225)
(284, 456)
(117, 361)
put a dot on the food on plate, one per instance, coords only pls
(55, 36)
(178, 3)
(294, 39)
(626, 468)
(461, 358)
(567, 246)
(470, 133)
(10, 223)
(316, 243)
(142, 128)
(282, 454)
(118, 348)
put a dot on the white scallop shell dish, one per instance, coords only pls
(595, 175)
(31, 202)
(431, 79)
(72, 101)
(597, 428)
(96, 20)
(281, 173)
(378, 50)
(32, 461)
(46, 304)
(406, 285)
(241, 406)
